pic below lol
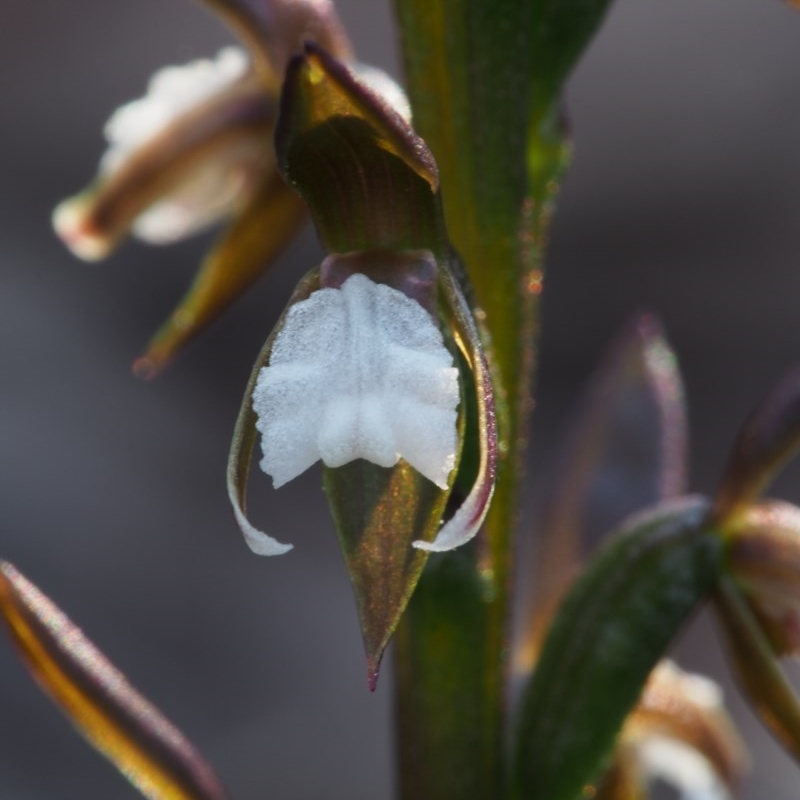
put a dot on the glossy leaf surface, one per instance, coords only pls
(609, 633)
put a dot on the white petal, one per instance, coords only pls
(683, 767)
(219, 182)
(211, 193)
(258, 541)
(171, 92)
(358, 372)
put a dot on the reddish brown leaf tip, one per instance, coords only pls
(146, 747)
(145, 368)
(767, 440)
(373, 672)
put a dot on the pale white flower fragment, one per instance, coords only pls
(358, 372)
(680, 734)
(682, 767)
(171, 91)
(208, 193)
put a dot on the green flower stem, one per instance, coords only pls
(468, 67)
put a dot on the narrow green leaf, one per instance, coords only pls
(561, 31)
(614, 625)
(99, 701)
(467, 66)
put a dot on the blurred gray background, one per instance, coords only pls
(684, 198)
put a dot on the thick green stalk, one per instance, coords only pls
(468, 67)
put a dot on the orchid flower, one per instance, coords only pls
(680, 733)
(197, 150)
(376, 361)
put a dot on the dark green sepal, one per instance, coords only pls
(615, 624)
(368, 179)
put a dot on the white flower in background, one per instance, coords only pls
(170, 92)
(197, 149)
(358, 372)
(211, 191)
(189, 153)
(682, 767)
(680, 734)
(179, 159)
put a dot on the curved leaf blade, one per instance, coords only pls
(100, 702)
(612, 628)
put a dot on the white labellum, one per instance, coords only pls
(358, 372)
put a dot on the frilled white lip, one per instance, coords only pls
(358, 372)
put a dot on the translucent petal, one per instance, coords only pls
(362, 372)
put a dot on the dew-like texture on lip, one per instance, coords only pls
(358, 372)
